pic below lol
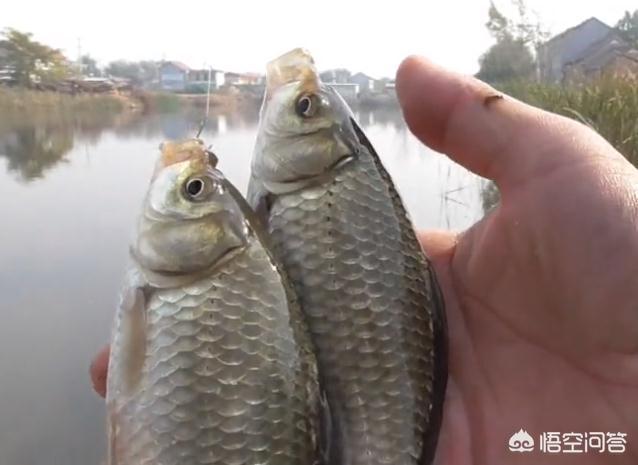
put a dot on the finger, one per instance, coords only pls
(98, 370)
(498, 138)
(437, 244)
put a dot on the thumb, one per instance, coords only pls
(495, 136)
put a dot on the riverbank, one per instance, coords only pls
(25, 101)
(16, 100)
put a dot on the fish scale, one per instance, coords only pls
(364, 286)
(228, 374)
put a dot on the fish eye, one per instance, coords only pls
(194, 188)
(306, 105)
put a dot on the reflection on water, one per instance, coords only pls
(70, 188)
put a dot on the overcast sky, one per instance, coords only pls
(241, 36)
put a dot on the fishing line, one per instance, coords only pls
(205, 120)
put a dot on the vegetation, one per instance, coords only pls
(512, 56)
(20, 101)
(138, 72)
(160, 101)
(30, 61)
(628, 27)
(609, 105)
(89, 66)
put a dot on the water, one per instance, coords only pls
(70, 189)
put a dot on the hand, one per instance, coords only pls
(542, 294)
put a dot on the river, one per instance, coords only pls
(70, 190)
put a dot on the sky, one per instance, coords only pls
(233, 35)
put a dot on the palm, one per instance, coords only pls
(542, 294)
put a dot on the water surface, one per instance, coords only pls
(70, 189)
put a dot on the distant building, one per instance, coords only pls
(177, 77)
(574, 45)
(239, 79)
(365, 82)
(173, 75)
(336, 76)
(349, 91)
(609, 57)
(199, 77)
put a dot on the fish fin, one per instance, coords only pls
(258, 199)
(133, 348)
(327, 437)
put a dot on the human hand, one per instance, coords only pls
(541, 294)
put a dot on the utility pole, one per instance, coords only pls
(79, 58)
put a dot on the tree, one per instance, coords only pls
(512, 56)
(30, 61)
(498, 25)
(138, 72)
(523, 27)
(89, 66)
(628, 27)
(507, 60)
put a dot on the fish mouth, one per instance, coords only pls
(173, 152)
(294, 66)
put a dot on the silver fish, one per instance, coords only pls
(373, 306)
(211, 362)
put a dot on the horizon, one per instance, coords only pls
(375, 46)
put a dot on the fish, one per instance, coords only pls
(369, 293)
(211, 361)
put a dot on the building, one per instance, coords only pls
(336, 76)
(609, 57)
(239, 79)
(558, 54)
(199, 78)
(173, 75)
(349, 91)
(177, 77)
(366, 83)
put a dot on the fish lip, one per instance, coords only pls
(296, 65)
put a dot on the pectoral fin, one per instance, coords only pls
(133, 349)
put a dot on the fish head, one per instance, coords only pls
(305, 126)
(190, 220)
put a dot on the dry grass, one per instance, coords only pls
(25, 101)
(609, 105)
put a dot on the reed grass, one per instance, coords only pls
(18, 100)
(609, 105)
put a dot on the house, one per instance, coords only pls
(177, 77)
(173, 75)
(572, 46)
(239, 79)
(199, 78)
(608, 57)
(348, 91)
(336, 76)
(365, 82)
